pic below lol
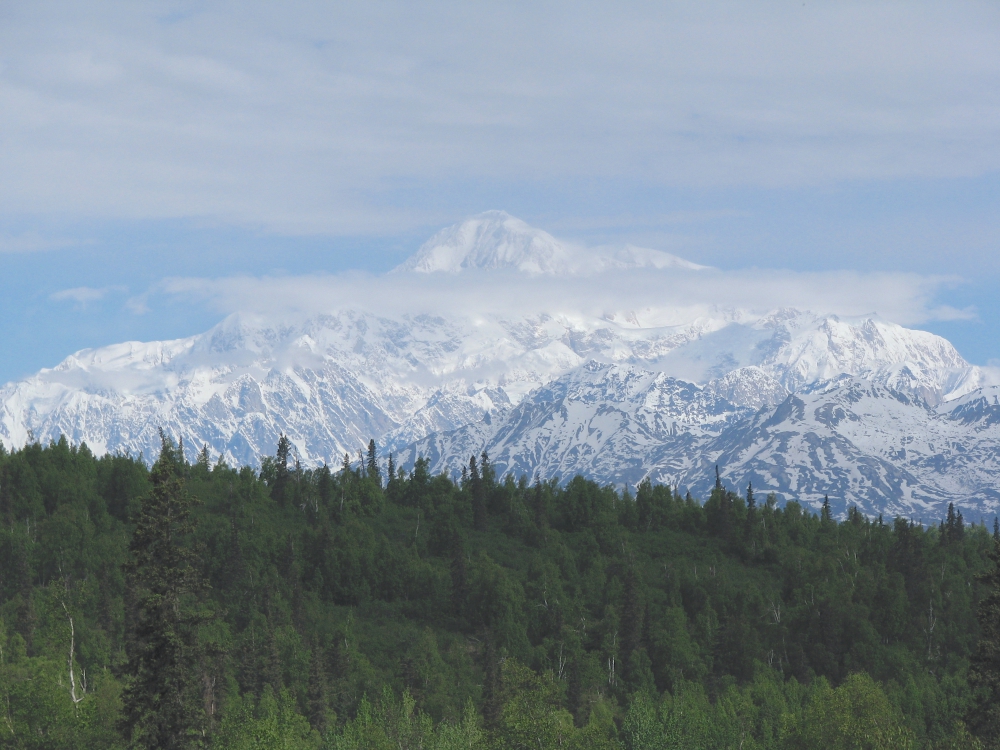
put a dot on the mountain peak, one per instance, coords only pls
(490, 240)
(496, 240)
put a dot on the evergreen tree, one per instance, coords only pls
(371, 463)
(459, 575)
(631, 623)
(486, 472)
(953, 527)
(984, 672)
(318, 691)
(492, 698)
(162, 701)
(826, 515)
(478, 499)
(280, 487)
(324, 487)
(538, 500)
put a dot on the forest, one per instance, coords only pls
(192, 604)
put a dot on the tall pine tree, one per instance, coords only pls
(281, 478)
(162, 700)
(984, 671)
(371, 463)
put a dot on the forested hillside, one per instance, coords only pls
(200, 604)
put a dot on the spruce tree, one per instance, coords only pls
(162, 701)
(478, 501)
(492, 698)
(324, 487)
(204, 458)
(459, 575)
(751, 511)
(632, 621)
(541, 515)
(280, 487)
(318, 698)
(984, 671)
(372, 463)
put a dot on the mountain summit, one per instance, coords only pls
(630, 387)
(497, 240)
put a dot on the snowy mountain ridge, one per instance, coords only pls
(684, 384)
(856, 441)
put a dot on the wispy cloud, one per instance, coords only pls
(311, 117)
(84, 295)
(656, 297)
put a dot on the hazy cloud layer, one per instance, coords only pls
(313, 117)
(657, 298)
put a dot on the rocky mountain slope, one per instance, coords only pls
(856, 441)
(552, 384)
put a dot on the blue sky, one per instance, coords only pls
(146, 141)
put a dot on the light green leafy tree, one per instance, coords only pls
(855, 716)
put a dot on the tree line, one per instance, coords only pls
(194, 604)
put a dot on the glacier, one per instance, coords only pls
(551, 379)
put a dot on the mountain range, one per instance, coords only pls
(534, 363)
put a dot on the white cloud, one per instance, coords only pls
(656, 297)
(83, 295)
(306, 117)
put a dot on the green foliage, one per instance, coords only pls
(855, 715)
(985, 673)
(165, 674)
(366, 607)
(272, 724)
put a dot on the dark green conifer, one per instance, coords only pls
(162, 701)
(541, 516)
(272, 671)
(478, 499)
(631, 622)
(459, 575)
(984, 671)
(203, 458)
(318, 698)
(281, 478)
(324, 487)
(492, 698)
(371, 463)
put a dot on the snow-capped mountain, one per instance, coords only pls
(854, 440)
(495, 239)
(556, 380)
